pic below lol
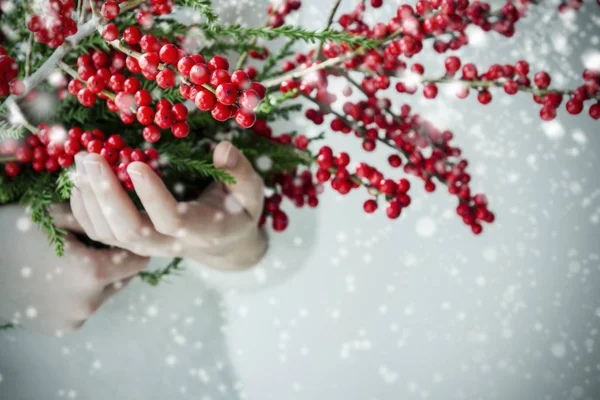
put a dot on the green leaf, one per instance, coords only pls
(39, 197)
(65, 184)
(204, 6)
(155, 277)
(200, 167)
(10, 131)
(274, 58)
(241, 33)
(6, 327)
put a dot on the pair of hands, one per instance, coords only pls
(59, 294)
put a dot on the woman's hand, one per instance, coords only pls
(219, 229)
(50, 293)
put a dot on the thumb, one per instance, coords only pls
(249, 187)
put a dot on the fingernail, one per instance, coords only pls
(92, 168)
(231, 157)
(135, 175)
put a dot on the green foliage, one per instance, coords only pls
(14, 189)
(64, 184)
(10, 131)
(204, 6)
(6, 327)
(155, 277)
(39, 196)
(271, 108)
(242, 33)
(200, 167)
(222, 47)
(284, 157)
(274, 58)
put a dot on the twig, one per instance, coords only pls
(65, 67)
(28, 51)
(329, 22)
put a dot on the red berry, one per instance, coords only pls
(241, 80)
(12, 169)
(280, 221)
(123, 101)
(199, 74)
(595, 111)
(116, 141)
(143, 98)
(511, 87)
(249, 99)
(205, 100)
(180, 129)
(86, 97)
(370, 206)
(395, 160)
(180, 112)
(110, 154)
(132, 35)
(185, 65)
(574, 106)
(342, 160)
(65, 160)
(169, 53)
(95, 146)
(541, 79)
(218, 62)
(227, 93)
(151, 134)
(219, 76)
(24, 154)
(149, 62)
(259, 88)
(548, 113)
(145, 115)
(221, 112)
(452, 64)
(393, 209)
(430, 90)
(245, 118)
(165, 78)
(110, 10)
(164, 118)
(149, 43)
(484, 97)
(96, 84)
(469, 71)
(522, 68)
(131, 85)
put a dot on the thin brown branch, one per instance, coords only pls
(329, 22)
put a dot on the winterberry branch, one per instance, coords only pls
(336, 4)
(66, 68)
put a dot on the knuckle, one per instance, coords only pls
(129, 236)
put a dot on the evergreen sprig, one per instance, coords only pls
(242, 33)
(39, 197)
(200, 167)
(155, 277)
(64, 184)
(10, 131)
(204, 6)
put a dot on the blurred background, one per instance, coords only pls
(353, 306)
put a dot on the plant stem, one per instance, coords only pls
(329, 22)
(28, 51)
(7, 159)
(65, 67)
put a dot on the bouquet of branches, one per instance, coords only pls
(127, 81)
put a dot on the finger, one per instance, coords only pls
(80, 213)
(94, 212)
(63, 218)
(158, 202)
(249, 187)
(108, 265)
(119, 212)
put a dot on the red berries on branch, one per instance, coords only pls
(9, 83)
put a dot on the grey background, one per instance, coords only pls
(352, 306)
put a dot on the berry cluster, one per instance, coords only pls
(53, 148)
(513, 78)
(278, 13)
(54, 23)
(9, 83)
(208, 84)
